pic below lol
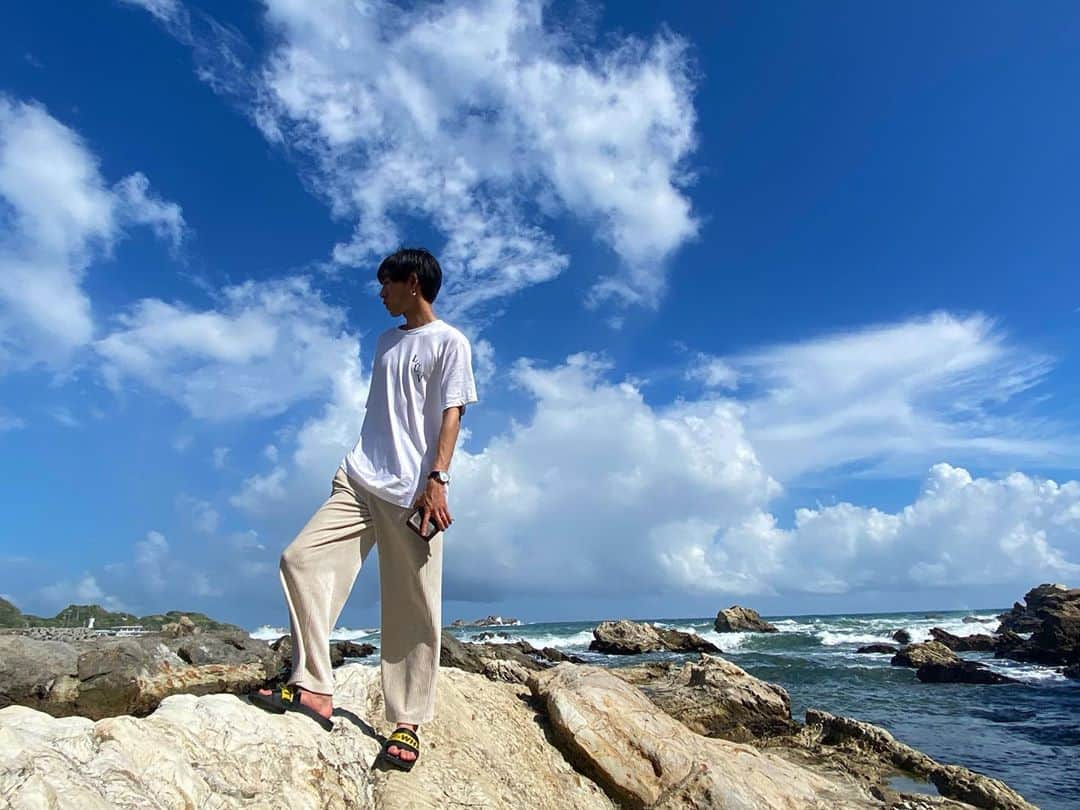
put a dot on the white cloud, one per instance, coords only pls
(221, 456)
(895, 398)
(485, 118)
(81, 592)
(164, 10)
(150, 557)
(602, 493)
(260, 491)
(204, 517)
(268, 346)
(56, 215)
(10, 422)
(65, 417)
(713, 372)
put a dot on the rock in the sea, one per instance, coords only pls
(477, 658)
(928, 652)
(350, 649)
(487, 621)
(485, 636)
(1024, 618)
(871, 753)
(960, 672)
(903, 636)
(625, 637)
(978, 642)
(888, 649)
(977, 620)
(714, 697)
(643, 757)
(736, 619)
(1072, 672)
(1055, 640)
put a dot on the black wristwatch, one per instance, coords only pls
(440, 476)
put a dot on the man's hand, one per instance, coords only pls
(433, 503)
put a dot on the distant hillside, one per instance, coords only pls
(78, 615)
(10, 615)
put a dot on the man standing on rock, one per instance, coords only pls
(421, 382)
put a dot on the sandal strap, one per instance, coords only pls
(406, 736)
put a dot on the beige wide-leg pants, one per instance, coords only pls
(318, 570)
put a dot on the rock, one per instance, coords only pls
(485, 748)
(979, 642)
(960, 672)
(878, 648)
(475, 657)
(737, 619)
(487, 621)
(184, 626)
(714, 697)
(1072, 672)
(487, 635)
(929, 652)
(1024, 618)
(625, 637)
(642, 757)
(491, 744)
(903, 636)
(558, 656)
(1055, 640)
(350, 649)
(977, 620)
(109, 676)
(868, 752)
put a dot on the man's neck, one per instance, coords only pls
(420, 315)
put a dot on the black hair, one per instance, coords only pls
(402, 264)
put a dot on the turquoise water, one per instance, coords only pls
(1027, 734)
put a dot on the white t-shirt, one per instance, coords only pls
(416, 375)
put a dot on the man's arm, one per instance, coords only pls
(433, 498)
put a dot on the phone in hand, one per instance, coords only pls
(413, 523)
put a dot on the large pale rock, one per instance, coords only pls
(929, 652)
(625, 637)
(485, 748)
(645, 758)
(714, 697)
(736, 619)
(872, 753)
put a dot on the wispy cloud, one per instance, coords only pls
(265, 347)
(59, 214)
(487, 120)
(894, 398)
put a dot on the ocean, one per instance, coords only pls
(1027, 734)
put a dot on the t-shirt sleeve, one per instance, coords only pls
(458, 386)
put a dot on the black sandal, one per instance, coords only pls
(287, 699)
(404, 738)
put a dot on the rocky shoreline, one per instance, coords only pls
(701, 733)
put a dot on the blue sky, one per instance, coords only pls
(775, 305)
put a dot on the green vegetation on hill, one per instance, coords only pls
(10, 616)
(78, 615)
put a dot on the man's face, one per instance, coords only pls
(396, 296)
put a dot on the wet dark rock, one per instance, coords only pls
(979, 642)
(960, 672)
(1024, 618)
(903, 636)
(878, 648)
(1055, 640)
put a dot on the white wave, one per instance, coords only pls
(1027, 673)
(345, 634)
(268, 633)
(580, 639)
(831, 639)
